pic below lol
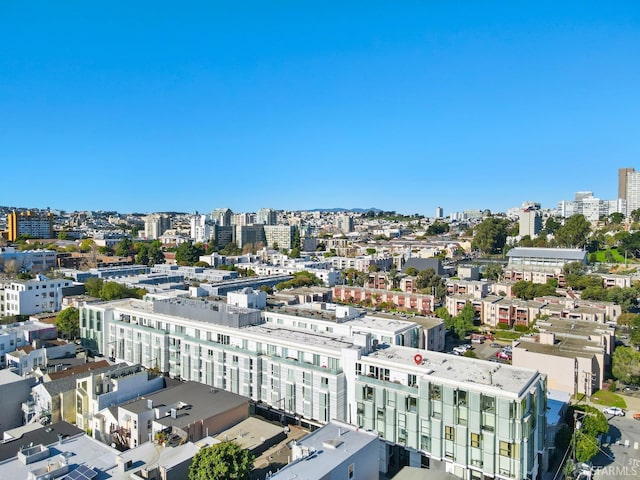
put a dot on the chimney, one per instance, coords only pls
(149, 403)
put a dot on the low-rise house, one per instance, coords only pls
(54, 398)
(27, 359)
(22, 334)
(99, 390)
(187, 412)
(335, 451)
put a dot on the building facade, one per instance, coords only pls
(33, 224)
(476, 418)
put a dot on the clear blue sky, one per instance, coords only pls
(400, 105)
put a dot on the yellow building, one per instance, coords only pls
(36, 225)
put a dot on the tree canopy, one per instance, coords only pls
(574, 233)
(96, 287)
(300, 279)
(490, 235)
(223, 461)
(528, 290)
(68, 322)
(189, 253)
(626, 365)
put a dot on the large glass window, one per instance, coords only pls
(449, 433)
(475, 440)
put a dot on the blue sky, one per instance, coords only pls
(400, 105)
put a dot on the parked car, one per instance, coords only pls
(503, 355)
(496, 345)
(615, 411)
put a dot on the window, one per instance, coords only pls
(435, 392)
(351, 471)
(506, 449)
(461, 398)
(475, 440)
(367, 392)
(449, 433)
(411, 404)
(488, 404)
(380, 413)
(324, 382)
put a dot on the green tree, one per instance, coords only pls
(224, 461)
(616, 218)
(86, 245)
(93, 286)
(463, 322)
(142, 257)
(490, 235)
(574, 233)
(68, 322)
(189, 253)
(124, 248)
(156, 256)
(626, 365)
(635, 215)
(627, 298)
(437, 228)
(586, 447)
(493, 271)
(429, 282)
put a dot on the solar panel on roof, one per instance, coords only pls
(82, 472)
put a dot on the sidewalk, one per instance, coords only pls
(633, 403)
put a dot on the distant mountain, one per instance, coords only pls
(336, 210)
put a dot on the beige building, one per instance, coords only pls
(573, 354)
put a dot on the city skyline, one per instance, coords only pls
(459, 105)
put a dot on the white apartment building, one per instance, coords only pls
(477, 418)
(97, 391)
(200, 228)
(155, 225)
(28, 297)
(23, 334)
(280, 236)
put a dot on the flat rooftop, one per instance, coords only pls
(310, 339)
(251, 433)
(198, 401)
(451, 369)
(565, 326)
(565, 347)
(152, 454)
(328, 446)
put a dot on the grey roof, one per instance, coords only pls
(45, 436)
(203, 402)
(574, 254)
(421, 264)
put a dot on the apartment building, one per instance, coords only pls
(35, 261)
(499, 310)
(279, 236)
(28, 297)
(495, 427)
(189, 411)
(99, 390)
(538, 265)
(415, 302)
(479, 419)
(573, 354)
(22, 334)
(33, 224)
